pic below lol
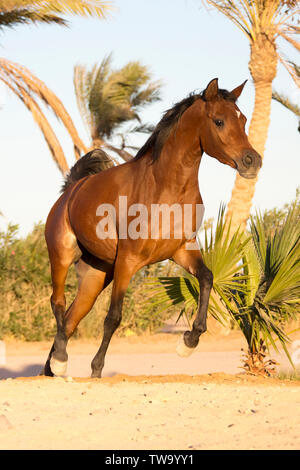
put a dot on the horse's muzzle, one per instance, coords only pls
(249, 164)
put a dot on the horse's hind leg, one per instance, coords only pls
(93, 278)
(59, 273)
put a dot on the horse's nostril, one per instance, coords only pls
(248, 160)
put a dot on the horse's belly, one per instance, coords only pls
(105, 250)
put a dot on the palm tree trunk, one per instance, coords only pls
(243, 191)
(263, 66)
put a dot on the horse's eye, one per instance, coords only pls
(219, 122)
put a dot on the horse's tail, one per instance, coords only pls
(90, 164)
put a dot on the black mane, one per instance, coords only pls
(171, 117)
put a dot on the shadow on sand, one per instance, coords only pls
(27, 371)
(33, 370)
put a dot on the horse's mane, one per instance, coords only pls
(170, 118)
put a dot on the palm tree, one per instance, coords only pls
(284, 100)
(108, 98)
(26, 86)
(263, 22)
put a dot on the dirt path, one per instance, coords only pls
(151, 355)
(171, 411)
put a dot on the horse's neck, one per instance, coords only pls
(177, 166)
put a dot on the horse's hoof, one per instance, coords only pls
(96, 375)
(182, 349)
(58, 368)
(46, 371)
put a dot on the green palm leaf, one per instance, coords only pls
(109, 98)
(14, 12)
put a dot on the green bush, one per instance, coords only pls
(25, 289)
(25, 286)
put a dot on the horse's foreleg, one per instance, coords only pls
(192, 261)
(122, 275)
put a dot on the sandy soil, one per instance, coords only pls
(208, 411)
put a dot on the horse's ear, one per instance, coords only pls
(211, 91)
(238, 90)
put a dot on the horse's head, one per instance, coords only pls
(223, 133)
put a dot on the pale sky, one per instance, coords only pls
(185, 46)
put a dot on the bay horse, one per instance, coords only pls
(164, 171)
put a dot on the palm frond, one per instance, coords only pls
(175, 291)
(21, 76)
(222, 252)
(286, 102)
(231, 10)
(257, 17)
(96, 81)
(13, 18)
(39, 117)
(108, 98)
(148, 95)
(285, 287)
(79, 80)
(14, 12)
(290, 40)
(145, 128)
(278, 293)
(253, 269)
(292, 69)
(84, 8)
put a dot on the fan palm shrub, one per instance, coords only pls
(272, 263)
(256, 285)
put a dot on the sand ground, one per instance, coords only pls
(148, 399)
